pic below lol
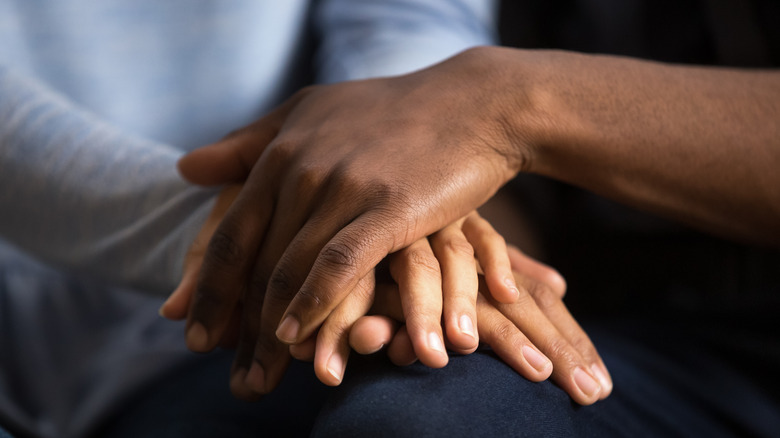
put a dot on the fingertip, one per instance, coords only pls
(538, 361)
(506, 291)
(288, 330)
(370, 334)
(587, 385)
(238, 387)
(461, 335)
(197, 338)
(605, 380)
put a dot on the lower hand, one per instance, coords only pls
(536, 335)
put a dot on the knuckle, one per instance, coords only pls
(559, 348)
(310, 300)
(310, 178)
(224, 250)
(280, 284)
(281, 150)
(422, 261)
(504, 330)
(584, 346)
(458, 247)
(544, 297)
(340, 254)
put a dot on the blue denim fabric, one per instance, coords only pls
(668, 388)
(195, 401)
(668, 382)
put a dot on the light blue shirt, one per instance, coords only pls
(98, 99)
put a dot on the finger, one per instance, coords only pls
(226, 266)
(305, 350)
(571, 371)
(232, 158)
(247, 339)
(230, 338)
(177, 305)
(371, 333)
(330, 359)
(491, 252)
(536, 270)
(400, 351)
(555, 310)
(343, 259)
(417, 272)
(510, 344)
(459, 287)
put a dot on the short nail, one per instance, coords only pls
(466, 326)
(197, 337)
(288, 330)
(510, 283)
(536, 359)
(587, 384)
(255, 379)
(336, 366)
(434, 342)
(600, 374)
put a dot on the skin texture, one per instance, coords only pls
(535, 335)
(341, 176)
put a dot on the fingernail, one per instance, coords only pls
(587, 384)
(510, 283)
(255, 379)
(336, 366)
(160, 310)
(466, 326)
(434, 342)
(536, 359)
(197, 337)
(601, 374)
(288, 330)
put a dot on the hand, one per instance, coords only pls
(536, 336)
(341, 176)
(247, 381)
(452, 248)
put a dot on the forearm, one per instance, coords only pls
(699, 145)
(86, 196)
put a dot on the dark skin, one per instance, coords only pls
(535, 335)
(341, 176)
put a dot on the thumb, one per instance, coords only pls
(229, 160)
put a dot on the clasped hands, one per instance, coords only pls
(338, 179)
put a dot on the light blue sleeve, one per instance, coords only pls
(81, 194)
(362, 39)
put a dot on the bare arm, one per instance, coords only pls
(699, 145)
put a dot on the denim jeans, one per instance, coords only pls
(668, 382)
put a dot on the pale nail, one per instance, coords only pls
(587, 384)
(466, 326)
(606, 384)
(197, 337)
(536, 359)
(434, 342)
(510, 283)
(336, 366)
(288, 330)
